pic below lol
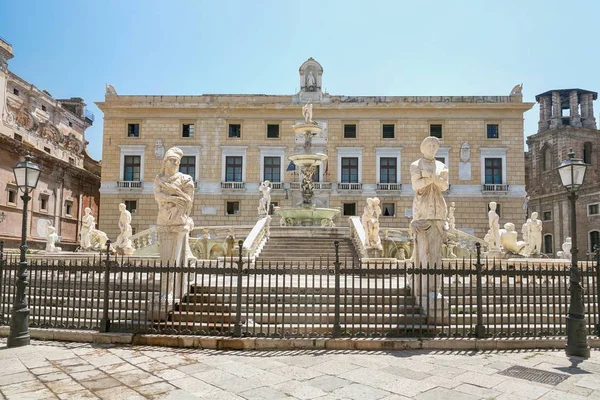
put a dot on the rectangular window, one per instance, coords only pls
(387, 170)
(349, 209)
(187, 166)
(272, 131)
(68, 208)
(441, 159)
(492, 131)
(388, 131)
(350, 131)
(132, 168)
(235, 130)
(233, 168)
(388, 210)
(317, 174)
(547, 216)
(349, 169)
(272, 207)
(594, 209)
(548, 248)
(12, 196)
(232, 208)
(43, 203)
(43, 108)
(435, 130)
(272, 168)
(131, 206)
(16, 91)
(493, 171)
(18, 137)
(133, 130)
(187, 130)
(47, 150)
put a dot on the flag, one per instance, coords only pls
(326, 168)
(291, 166)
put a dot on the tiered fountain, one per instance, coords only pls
(307, 214)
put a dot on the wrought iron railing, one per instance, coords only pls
(324, 298)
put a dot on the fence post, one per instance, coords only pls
(105, 321)
(1, 252)
(237, 329)
(597, 254)
(337, 329)
(479, 328)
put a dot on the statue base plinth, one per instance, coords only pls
(374, 252)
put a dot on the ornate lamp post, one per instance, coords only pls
(572, 172)
(26, 176)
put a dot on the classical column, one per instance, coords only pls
(556, 121)
(574, 109)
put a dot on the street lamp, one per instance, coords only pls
(26, 176)
(572, 172)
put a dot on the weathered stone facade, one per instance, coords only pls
(559, 131)
(367, 129)
(52, 131)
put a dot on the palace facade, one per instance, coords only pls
(52, 131)
(232, 142)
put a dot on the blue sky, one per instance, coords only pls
(72, 48)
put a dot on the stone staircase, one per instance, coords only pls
(302, 245)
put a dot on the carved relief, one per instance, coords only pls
(159, 149)
(25, 120)
(50, 132)
(465, 152)
(73, 144)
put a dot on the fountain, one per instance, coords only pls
(306, 213)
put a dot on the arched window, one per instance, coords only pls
(594, 240)
(587, 152)
(547, 158)
(548, 248)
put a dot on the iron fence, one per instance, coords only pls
(324, 298)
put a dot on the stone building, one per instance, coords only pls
(52, 131)
(566, 122)
(232, 142)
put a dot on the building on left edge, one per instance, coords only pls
(52, 131)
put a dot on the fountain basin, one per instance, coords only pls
(307, 216)
(311, 128)
(308, 160)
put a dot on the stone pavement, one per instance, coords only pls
(50, 370)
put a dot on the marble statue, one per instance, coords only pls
(174, 193)
(310, 80)
(370, 223)
(508, 240)
(88, 224)
(517, 90)
(265, 201)
(307, 112)
(533, 227)
(565, 253)
(110, 89)
(429, 179)
(51, 239)
(451, 219)
(494, 224)
(123, 241)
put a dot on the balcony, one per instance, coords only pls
(276, 185)
(389, 187)
(233, 185)
(130, 185)
(495, 188)
(316, 185)
(349, 187)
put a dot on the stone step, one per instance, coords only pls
(557, 299)
(526, 308)
(316, 291)
(303, 309)
(301, 299)
(68, 301)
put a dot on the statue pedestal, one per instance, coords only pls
(373, 252)
(436, 307)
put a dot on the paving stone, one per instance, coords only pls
(522, 388)
(100, 384)
(406, 387)
(118, 368)
(55, 376)
(360, 392)
(192, 385)
(16, 378)
(448, 383)
(263, 393)
(334, 367)
(21, 387)
(44, 370)
(88, 374)
(70, 361)
(136, 378)
(108, 359)
(483, 380)
(174, 360)
(170, 374)
(152, 366)
(227, 381)
(45, 394)
(298, 389)
(80, 395)
(406, 373)
(299, 374)
(119, 393)
(442, 393)
(177, 394)
(269, 378)
(64, 386)
(154, 389)
(559, 395)
(140, 359)
(589, 381)
(78, 368)
(328, 383)
(195, 368)
(478, 391)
